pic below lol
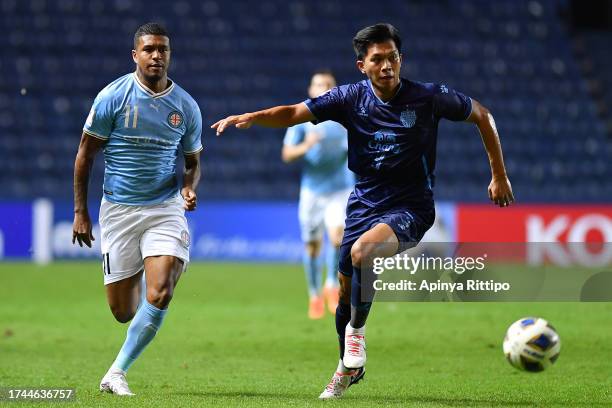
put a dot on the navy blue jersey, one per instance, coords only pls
(392, 145)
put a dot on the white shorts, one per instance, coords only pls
(132, 233)
(319, 211)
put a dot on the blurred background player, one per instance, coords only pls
(325, 186)
(392, 126)
(141, 120)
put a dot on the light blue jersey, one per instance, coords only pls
(143, 130)
(325, 164)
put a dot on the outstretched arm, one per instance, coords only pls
(191, 178)
(278, 116)
(81, 226)
(500, 190)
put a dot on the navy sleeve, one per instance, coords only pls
(329, 106)
(450, 104)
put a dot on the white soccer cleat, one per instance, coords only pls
(354, 347)
(340, 383)
(114, 382)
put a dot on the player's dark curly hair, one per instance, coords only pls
(149, 29)
(375, 34)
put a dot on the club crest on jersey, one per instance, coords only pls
(175, 119)
(408, 118)
(362, 111)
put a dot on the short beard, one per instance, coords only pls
(153, 78)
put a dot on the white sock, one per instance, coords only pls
(350, 330)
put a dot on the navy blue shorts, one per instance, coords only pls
(409, 225)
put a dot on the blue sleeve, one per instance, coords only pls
(192, 139)
(294, 135)
(101, 117)
(450, 104)
(329, 106)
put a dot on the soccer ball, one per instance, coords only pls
(532, 344)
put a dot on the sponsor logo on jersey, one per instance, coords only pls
(408, 118)
(385, 142)
(175, 119)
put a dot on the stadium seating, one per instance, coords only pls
(513, 56)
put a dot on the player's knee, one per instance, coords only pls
(159, 297)
(362, 252)
(335, 240)
(311, 252)
(357, 254)
(313, 248)
(123, 314)
(335, 237)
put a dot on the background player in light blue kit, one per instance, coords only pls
(325, 187)
(141, 120)
(392, 126)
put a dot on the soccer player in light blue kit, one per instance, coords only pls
(325, 187)
(141, 121)
(392, 126)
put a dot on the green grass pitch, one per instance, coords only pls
(238, 335)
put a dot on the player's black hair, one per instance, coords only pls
(149, 29)
(375, 34)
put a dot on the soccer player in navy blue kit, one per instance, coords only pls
(392, 128)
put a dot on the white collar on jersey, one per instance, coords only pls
(150, 92)
(380, 100)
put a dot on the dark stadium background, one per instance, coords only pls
(544, 69)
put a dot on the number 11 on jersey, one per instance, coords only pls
(127, 116)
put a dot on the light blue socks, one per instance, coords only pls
(313, 270)
(332, 255)
(144, 326)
